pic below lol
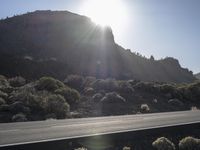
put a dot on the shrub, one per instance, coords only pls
(125, 87)
(34, 100)
(72, 96)
(88, 81)
(19, 107)
(126, 148)
(3, 95)
(80, 148)
(191, 91)
(108, 85)
(49, 84)
(19, 118)
(133, 82)
(166, 88)
(17, 81)
(2, 101)
(145, 86)
(74, 81)
(97, 97)
(57, 105)
(175, 102)
(3, 82)
(4, 108)
(89, 91)
(194, 108)
(113, 104)
(163, 144)
(113, 97)
(189, 143)
(155, 101)
(144, 108)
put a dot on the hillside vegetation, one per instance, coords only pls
(59, 43)
(78, 96)
(197, 76)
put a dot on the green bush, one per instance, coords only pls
(25, 97)
(49, 84)
(89, 91)
(19, 118)
(57, 105)
(3, 82)
(189, 143)
(126, 148)
(88, 81)
(72, 96)
(108, 85)
(113, 97)
(144, 108)
(19, 107)
(113, 104)
(74, 81)
(80, 148)
(2, 101)
(167, 88)
(175, 102)
(4, 108)
(3, 95)
(145, 86)
(97, 97)
(125, 87)
(191, 91)
(17, 81)
(163, 144)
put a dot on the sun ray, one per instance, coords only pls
(105, 12)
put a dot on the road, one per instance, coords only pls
(50, 130)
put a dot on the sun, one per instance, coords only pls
(105, 12)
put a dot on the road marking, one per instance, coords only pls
(86, 124)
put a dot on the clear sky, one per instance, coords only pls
(155, 27)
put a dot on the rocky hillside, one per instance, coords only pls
(57, 43)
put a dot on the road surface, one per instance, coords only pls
(50, 130)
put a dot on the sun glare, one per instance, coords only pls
(105, 12)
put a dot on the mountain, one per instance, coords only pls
(197, 75)
(58, 43)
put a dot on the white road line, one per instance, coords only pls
(86, 124)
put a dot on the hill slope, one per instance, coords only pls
(197, 75)
(58, 43)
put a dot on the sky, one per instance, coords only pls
(153, 27)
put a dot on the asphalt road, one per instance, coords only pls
(50, 130)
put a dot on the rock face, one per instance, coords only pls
(57, 43)
(197, 76)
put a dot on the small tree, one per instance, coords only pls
(163, 144)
